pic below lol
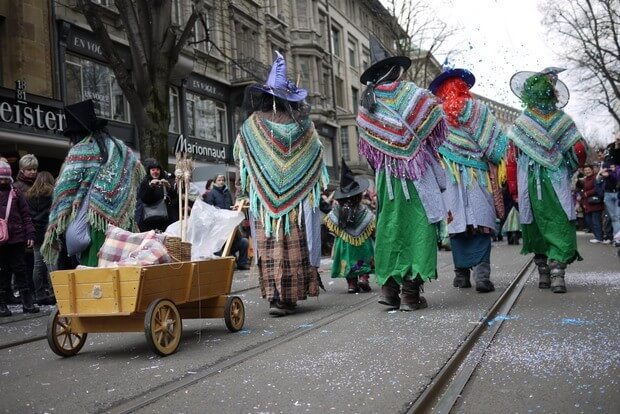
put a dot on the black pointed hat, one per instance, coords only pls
(81, 119)
(350, 185)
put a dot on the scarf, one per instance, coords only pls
(476, 140)
(280, 165)
(357, 234)
(545, 138)
(404, 131)
(112, 198)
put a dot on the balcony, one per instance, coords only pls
(247, 71)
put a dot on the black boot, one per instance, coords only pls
(11, 299)
(482, 275)
(410, 297)
(4, 310)
(544, 272)
(461, 278)
(389, 294)
(28, 301)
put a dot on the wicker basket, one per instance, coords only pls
(178, 250)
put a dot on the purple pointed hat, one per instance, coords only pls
(279, 85)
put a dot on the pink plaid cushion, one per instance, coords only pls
(120, 243)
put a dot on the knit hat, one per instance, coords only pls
(5, 171)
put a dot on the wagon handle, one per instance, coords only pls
(239, 206)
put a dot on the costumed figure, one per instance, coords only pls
(472, 152)
(549, 149)
(100, 176)
(353, 224)
(280, 159)
(401, 126)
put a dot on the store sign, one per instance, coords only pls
(206, 87)
(20, 112)
(202, 150)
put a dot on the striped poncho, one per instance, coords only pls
(547, 139)
(112, 199)
(404, 131)
(357, 234)
(281, 164)
(477, 140)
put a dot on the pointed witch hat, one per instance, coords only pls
(350, 185)
(279, 85)
(517, 83)
(81, 119)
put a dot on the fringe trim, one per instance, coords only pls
(342, 234)
(412, 168)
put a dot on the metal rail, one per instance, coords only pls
(446, 387)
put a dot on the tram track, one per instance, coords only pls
(442, 393)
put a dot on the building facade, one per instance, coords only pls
(50, 57)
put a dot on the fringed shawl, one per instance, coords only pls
(470, 146)
(113, 196)
(404, 131)
(280, 165)
(363, 226)
(545, 138)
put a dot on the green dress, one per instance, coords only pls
(353, 253)
(406, 243)
(551, 232)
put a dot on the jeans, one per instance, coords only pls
(40, 275)
(12, 262)
(593, 220)
(613, 210)
(240, 246)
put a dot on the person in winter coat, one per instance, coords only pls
(153, 188)
(592, 204)
(39, 199)
(219, 196)
(20, 235)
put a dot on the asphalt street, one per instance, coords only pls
(341, 352)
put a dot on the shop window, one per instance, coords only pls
(206, 118)
(174, 111)
(86, 79)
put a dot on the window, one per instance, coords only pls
(174, 111)
(326, 83)
(328, 152)
(336, 48)
(355, 99)
(365, 59)
(245, 41)
(201, 34)
(344, 143)
(274, 7)
(352, 46)
(177, 15)
(339, 92)
(89, 80)
(106, 3)
(206, 118)
(302, 15)
(305, 72)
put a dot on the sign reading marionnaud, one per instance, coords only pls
(22, 113)
(202, 150)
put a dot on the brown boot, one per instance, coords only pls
(390, 294)
(411, 299)
(363, 283)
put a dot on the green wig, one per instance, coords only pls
(539, 93)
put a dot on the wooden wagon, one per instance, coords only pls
(153, 299)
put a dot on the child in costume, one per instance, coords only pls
(282, 173)
(353, 224)
(472, 151)
(549, 149)
(401, 126)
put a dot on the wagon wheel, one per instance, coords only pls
(234, 313)
(163, 327)
(61, 338)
